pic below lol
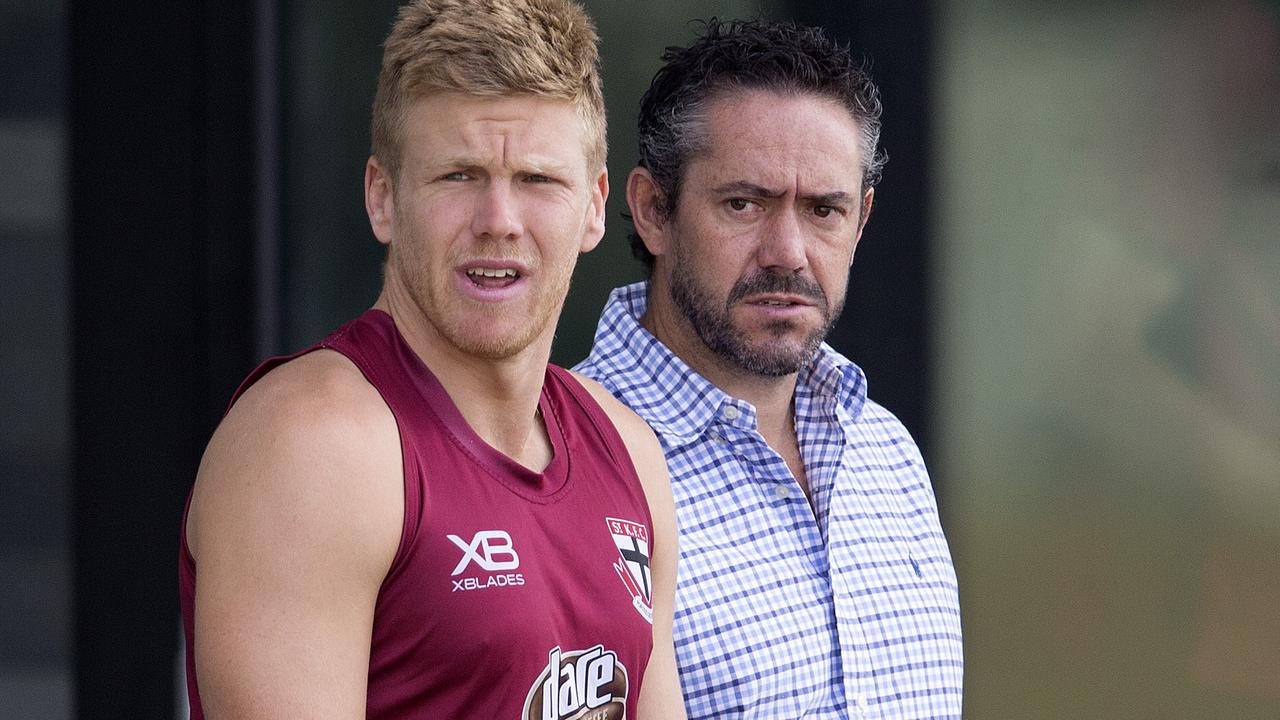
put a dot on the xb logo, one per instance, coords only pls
(490, 549)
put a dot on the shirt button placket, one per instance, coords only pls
(852, 640)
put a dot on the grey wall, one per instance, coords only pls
(35, 413)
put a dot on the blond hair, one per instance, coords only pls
(488, 48)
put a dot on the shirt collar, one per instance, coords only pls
(675, 400)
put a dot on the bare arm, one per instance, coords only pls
(294, 521)
(660, 695)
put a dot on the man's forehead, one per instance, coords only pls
(746, 171)
(498, 113)
(549, 131)
(769, 138)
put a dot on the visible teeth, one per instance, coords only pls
(775, 302)
(492, 273)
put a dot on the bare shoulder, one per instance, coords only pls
(323, 384)
(312, 442)
(294, 522)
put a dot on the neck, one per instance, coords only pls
(770, 395)
(498, 397)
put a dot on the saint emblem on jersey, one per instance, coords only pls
(632, 565)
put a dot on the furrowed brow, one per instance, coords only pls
(545, 166)
(838, 197)
(462, 161)
(742, 187)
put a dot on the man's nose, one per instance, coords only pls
(497, 214)
(782, 249)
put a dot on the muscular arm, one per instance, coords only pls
(660, 696)
(294, 521)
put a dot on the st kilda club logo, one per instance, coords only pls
(579, 685)
(632, 565)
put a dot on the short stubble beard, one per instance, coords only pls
(773, 357)
(441, 313)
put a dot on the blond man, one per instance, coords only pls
(419, 516)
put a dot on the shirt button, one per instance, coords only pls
(862, 703)
(731, 413)
(783, 492)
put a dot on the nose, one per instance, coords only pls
(496, 214)
(782, 249)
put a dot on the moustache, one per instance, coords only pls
(768, 282)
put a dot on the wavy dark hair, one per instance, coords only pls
(738, 55)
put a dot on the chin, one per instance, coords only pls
(775, 362)
(490, 339)
(495, 348)
(777, 355)
(783, 338)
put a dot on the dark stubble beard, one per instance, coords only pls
(775, 356)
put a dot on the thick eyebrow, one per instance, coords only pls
(547, 166)
(742, 187)
(836, 198)
(459, 161)
(533, 165)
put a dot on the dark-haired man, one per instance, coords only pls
(815, 579)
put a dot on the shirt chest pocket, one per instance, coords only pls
(891, 550)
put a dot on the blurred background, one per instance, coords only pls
(1069, 291)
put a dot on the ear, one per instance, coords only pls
(379, 200)
(594, 231)
(863, 216)
(645, 200)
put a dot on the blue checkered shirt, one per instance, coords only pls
(846, 610)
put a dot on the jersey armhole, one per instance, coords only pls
(411, 496)
(603, 424)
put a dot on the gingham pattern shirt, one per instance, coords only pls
(846, 610)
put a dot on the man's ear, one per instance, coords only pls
(863, 216)
(595, 221)
(379, 199)
(645, 199)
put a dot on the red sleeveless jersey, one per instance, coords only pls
(514, 594)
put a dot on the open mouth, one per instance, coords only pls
(492, 277)
(775, 301)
